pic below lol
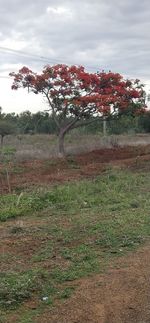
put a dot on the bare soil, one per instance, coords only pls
(122, 295)
(26, 174)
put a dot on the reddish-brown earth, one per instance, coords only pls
(120, 296)
(38, 172)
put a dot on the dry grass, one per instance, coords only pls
(45, 146)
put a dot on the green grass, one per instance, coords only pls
(14, 289)
(83, 226)
(111, 192)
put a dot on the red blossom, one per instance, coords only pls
(71, 86)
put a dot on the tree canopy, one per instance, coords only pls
(74, 96)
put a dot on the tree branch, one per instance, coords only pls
(53, 111)
(70, 125)
(84, 123)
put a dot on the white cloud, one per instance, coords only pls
(60, 11)
(14, 43)
(20, 100)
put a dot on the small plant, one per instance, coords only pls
(67, 292)
(7, 155)
(16, 230)
(15, 289)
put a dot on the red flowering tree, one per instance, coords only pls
(75, 96)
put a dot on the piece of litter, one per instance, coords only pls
(45, 298)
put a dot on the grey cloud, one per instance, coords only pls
(112, 35)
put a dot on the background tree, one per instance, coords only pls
(144, 122)
(76, 97)
(6, 128)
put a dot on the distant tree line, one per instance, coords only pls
(29, 123)
(43, 123)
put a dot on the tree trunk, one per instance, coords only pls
(61, 136)
(104, 126)
(61, 149)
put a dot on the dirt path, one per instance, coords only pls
(120, 296)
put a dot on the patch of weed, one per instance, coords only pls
(67, 292)
(15, 288)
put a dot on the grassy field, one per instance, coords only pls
(52, 237)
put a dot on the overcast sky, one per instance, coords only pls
(98, 34)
